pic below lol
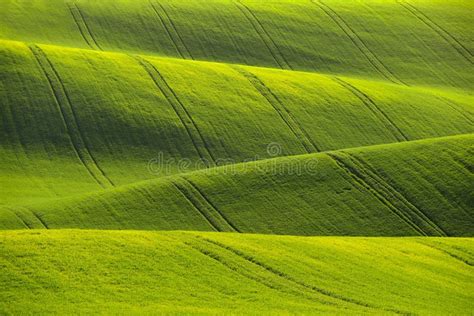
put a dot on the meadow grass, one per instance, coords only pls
(78, 271)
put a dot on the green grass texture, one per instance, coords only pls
(403, 41)
(236, 157)
(406, 189)
(77, 271)
(93, 120)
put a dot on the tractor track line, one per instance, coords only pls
(19, 217)
(454, 256)
(69, 117)
(202, 204)
(358, 42)
(289, 278)
(213, 206)
(282, 288)
(264, 36)
(171, 30)
(451, 40)
(186, 119)
(217, 258)
(298, 131)
(374, 108)
(188, 196)
(82, 26)
(394, 193)
(40, 219)
(359, 179)
(454, 107)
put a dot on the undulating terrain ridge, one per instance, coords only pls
(246, 157)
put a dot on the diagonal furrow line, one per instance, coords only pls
(288, 278)
(358, 42)
(455, 108)
(247, 271)
(360, 179)
(452, 255)
(186, 119)
(451, 40)
(285, 114)
(40, 219)
(203, 205)
(19, 217)
(82, 26)
(191, 200)
(212, 206)
(171, 30)
(390, 193)
(263, 34)
(69, 118)
(372, 106)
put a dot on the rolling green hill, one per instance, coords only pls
(209, 128)
(94, 120)
(412, 188)
(410, 42)
(145, 272)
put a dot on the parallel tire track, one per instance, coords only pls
(451, 40)
(82, 26)
(455, 108)
(419, 217)
(449, 253)
(171, 30)
(186, 119)
(372, 106)
(207, 209)
(69, 119)
(387, 195)
(263, 34)
(358, 42)
(285, 114)
(280, 274)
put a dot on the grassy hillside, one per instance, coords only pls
(229, 273)
(414, 188)
(93, 120)
(204, 130)
(408, 42)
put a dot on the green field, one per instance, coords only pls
(209, 129)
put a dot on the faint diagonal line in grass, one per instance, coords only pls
(451, 40)
(203, 204)
(452, 255)
(171, 30)
(184, 116)
(455, 108)
(82, 25)
(264, 36)
(191, 199)
(375, 109)
(391, 193)
(212, 206)
(17, 215)
(69, 119)
(358, 42)
(289, 278)
(298, 131)
(359, 178)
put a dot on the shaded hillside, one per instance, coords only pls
(414, 188)
(407, 42)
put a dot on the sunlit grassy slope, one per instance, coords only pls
(92, 120)
(408, 42)
(414, 188)
(286, 117)
(145, 272)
